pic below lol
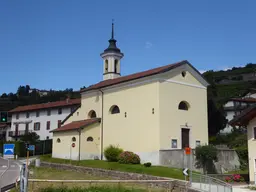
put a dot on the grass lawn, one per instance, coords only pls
(153, 170)
(239, 172)
(55, 174)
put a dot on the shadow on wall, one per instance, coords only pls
(228, 160)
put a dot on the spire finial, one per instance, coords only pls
(112, 36)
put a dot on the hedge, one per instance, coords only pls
(41, 147)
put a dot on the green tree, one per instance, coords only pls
(206, 155)
(30, 138)
(216, 114)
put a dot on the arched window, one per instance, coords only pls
(92, 114)
(73, 139)
(183, 73)
(116, 63)
(89, 139)
(106, 66)
(58, 140)
(183, 105)
(114, 109)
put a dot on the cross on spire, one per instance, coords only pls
(112, 35)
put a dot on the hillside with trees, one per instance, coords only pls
(27, 96)
(223, 86)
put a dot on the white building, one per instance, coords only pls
(40, 118)
(235, 106)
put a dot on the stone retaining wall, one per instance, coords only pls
(179, 185)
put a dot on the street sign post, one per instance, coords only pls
(31, 147)
(185, 172)
(189, 157)
(9, 150)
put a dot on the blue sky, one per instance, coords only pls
(56, 44)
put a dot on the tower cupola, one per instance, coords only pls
(111, 59)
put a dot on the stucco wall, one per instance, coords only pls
(172, 120)
(136, 127)
(228, 160)
(251, 149)
(90, 149)
(64, 150)
(90, 101)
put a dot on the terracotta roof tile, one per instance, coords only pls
(77, 124)
(135, 76)
(248, 99)
(46, 105)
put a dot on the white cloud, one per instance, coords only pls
(148, 45)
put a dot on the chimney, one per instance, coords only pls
(67, 100)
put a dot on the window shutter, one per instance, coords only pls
(38, 126)
(34, 126)
(254, 132)
(59, 123)
(48, 125)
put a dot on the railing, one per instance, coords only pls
(206, 183)
(18, 133)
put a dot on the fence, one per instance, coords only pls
(149, 185)
(209, 184)
(41, 147)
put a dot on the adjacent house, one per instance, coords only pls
(235, 106)
(153, 110)
(248, 119)
(40, 118)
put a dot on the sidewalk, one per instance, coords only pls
(241, 188)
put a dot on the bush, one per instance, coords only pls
(242, 153)
(148, 164)
(205, 157)
(112, 153)
(128, 157)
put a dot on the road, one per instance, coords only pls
(8, 173)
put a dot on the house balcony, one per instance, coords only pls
(18, 133)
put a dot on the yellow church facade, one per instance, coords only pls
(160, 109)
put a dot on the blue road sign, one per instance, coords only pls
(9, 150)
(31, 147)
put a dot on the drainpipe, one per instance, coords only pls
(79, 144)
(101, 135)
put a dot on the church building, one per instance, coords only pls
(164, 108)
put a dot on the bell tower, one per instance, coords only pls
(111, 59)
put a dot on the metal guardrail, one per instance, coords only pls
(209, 184)
(8, 187)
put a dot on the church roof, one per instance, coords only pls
(244, 117)
(67, 102)
(77, 125)
(139, 75)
